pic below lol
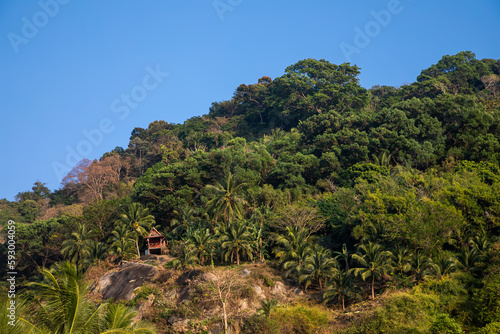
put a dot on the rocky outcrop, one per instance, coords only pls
(120, 284)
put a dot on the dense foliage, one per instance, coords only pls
(351, 191)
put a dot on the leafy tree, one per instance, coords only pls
(316, 86)
(38, 192)
(186, 258)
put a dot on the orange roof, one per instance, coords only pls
(154, 234)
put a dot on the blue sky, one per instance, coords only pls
(100, 67)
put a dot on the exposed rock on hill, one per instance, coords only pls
(120, 284)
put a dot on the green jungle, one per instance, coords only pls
(304, 204)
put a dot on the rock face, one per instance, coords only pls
(120, 284)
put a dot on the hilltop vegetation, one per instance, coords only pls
(388, 194)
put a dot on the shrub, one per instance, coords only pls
(492, 328)
(267, 281)
(443, 324)
(401, 312)
(286, 320)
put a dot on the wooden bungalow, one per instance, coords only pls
(156, 242)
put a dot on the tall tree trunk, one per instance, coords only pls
(137, 245)
(373, 287)
(343, 303)
(237, 257)
(225, 317)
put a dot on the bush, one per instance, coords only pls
(287, 320)
(443, 324)
(492, 328)
(450, 291)
(400, 313)
(488, 298)
(267, 281)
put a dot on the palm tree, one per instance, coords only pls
(344, 255)
(122, 241)
(186, 219)
(268, 306)
(202, 241)
(64, 309)
(227, 199)
(422, 266)
(61, 300)
(340, 287)
(481, 242)
(95, 252)
(294, 250)
(318, 267)
(295, 265)
(237, 240)
(77, 246)
(375, 262)
(120, 319)
(186, 258)
(468, 258)
(443, 266)
(288, 244)
(382, 160)
(402, 260)
(258, 242)
(139, 221)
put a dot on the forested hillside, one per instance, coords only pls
(388, 194)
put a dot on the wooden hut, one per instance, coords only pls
(156, 242)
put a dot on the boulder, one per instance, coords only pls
(245, 272)
(278, 289)
(120, 284)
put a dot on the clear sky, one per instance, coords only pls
(79, 76)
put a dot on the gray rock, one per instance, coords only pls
(298, 292)
(245, 272)
(209, 277)
(173, 319)
(120, 285)
(278, 289)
